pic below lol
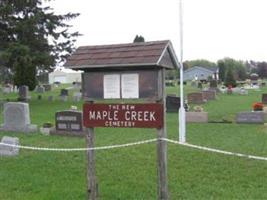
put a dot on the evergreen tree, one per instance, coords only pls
(139, 39)
(41, 35)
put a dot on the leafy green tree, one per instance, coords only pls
(139, 38)
(42, 35)
(199, 62)
(229, 78)
(238, 68)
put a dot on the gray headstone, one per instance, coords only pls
(47, 87)
(23, 93)
(250, 117)
(213, 84)
(63, 98)
(209, 95)
(264, 98)
(7, 89)
(198, 117)
(40, 89)
(77, 96)
(50, 98)
(9, 150)
(17, 118)
(195, 98)
(69, 123)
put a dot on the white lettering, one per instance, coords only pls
(91, 114)
(115, 117)
(127, 115)
(152, 117)
(146, 114)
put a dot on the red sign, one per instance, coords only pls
(123, 115)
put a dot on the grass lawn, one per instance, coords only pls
(131, 173)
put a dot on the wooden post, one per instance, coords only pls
(91, 172)
(162, 145)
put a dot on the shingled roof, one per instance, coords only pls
(154, 54)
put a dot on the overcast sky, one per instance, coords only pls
(213, 29)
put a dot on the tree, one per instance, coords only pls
(238, 68)
(199, 62)
(229, 78)
(139, 38)
(41, 35)
(222, 70)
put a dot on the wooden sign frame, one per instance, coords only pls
(161, 145)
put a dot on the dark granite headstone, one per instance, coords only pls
(172, 103)
(64, 92)
(69, 123)
(23, 93)
(250, 117)
(39, 97)
(195, 98)
(264, 98)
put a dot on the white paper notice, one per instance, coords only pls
(130, 86)
(112, 86)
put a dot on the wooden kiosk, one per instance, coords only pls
(125, 72)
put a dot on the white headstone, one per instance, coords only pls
(9, 150)
(17, 117)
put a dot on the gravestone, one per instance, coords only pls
(250, 117)
(77, 96)
(7, 89)
(172, 103)
(195, 98)
(193, 83)
(64, 92)
(17, 118)
(198, 117)
(63, 98)
(68, 123)
(50, 98)
(39, 97)
(264, 98)
(77, 85)
(213, 84)
(243, 91)
(23, 93)
(209, 95)
(47, 87)
(199, 85)
(9, 150)
(40, 89)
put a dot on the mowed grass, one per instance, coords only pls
(131, 173)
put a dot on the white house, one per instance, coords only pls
(64, 75)
(201, 73)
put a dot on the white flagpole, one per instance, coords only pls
(182, 123)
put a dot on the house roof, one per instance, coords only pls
(156, 53)
(207, 69)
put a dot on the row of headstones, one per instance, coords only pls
(201, 97)
(173, 102)
(17, 118)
